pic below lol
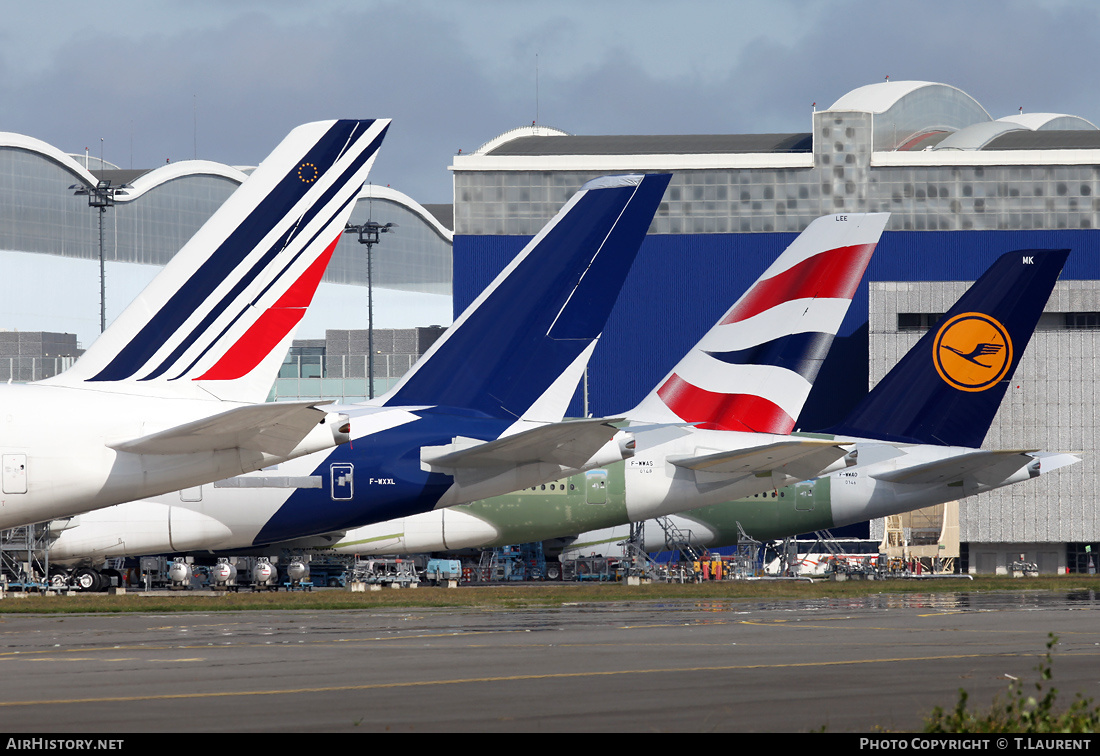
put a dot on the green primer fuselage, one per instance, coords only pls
(578, 504)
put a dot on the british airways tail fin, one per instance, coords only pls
(539, 319)
(754, 369)
(948, 387)
(217, 321)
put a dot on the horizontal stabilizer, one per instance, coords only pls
(988, 466)
(650, 427)
(272, 428)
(1051, 461)
(803, 452)
(571, 444)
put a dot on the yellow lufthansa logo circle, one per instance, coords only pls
(308, 172)
(972, 351)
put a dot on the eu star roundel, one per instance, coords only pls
(308, 172)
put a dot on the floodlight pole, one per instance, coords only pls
(101, 196)
(369, 234)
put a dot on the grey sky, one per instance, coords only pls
(226, 80)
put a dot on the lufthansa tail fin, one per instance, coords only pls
(217, 320)
(754, 369)
(539, 319)
(948, 387)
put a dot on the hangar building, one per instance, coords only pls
(962, 188)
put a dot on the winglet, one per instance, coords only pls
(948, 387)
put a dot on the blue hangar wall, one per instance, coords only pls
(681, 284)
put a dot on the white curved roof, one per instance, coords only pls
(522, 131)
(977, 136)
(1037, 121)
(138, 186)
(906, 110)
(878, 98)
(386, 193)
(170, 171)
(165, 173)
(23, 142)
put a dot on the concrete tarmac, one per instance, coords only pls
(707, 666)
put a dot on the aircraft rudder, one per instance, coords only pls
(948, 388)
(585, 313)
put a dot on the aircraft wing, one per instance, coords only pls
(273, 428)
(570, 443)
(987, 466)
(803, 458)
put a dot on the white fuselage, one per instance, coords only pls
(857, 496)
(232, 517)
(231, 514)
(56, 455)
(655, 486)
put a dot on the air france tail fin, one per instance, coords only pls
(754, 369)
(539, 319)
(218, 319)
(948, 387)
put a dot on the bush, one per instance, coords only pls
(1016, 712)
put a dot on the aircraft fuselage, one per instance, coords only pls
(599, 506)
(379, 475)
(57, 459)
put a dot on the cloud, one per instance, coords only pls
(228, 81)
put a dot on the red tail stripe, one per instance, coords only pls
(272, 326)
(714, 411)
(833, 274)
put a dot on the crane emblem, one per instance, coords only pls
(972, 351)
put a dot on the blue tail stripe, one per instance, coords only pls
(243, 309)
(545, 313)
(584, 316)
(227, 257)
(914, 404)
(800, 353)
(261, 265)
